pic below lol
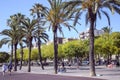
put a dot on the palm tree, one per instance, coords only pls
(14, 21)
(21, 54)
(93, 9)
(12, 35)
(37, 10)
(40, 35)
(29, 27)
(21, 42)
(57, 16)
(7, 40)
(107, 29)
(17, 18)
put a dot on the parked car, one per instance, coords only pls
(85, 63)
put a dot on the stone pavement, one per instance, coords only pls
(101, 71)
(27, 76)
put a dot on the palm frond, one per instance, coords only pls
(78, 14)
(60, 30)
(73, 3)
(86, 19)
(115, 2)
(69, 27)
(99, 14)
(117, 9)
(106, 14)
(4, 41)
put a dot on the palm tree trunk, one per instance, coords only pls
(21, 57)
(91, 52)
(55, 51)
(15, 54)
(117, 60)
(29, 58)
(108, 58)
(39, 53)
(11, 57)
(39, 44)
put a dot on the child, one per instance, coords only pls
(4, 68)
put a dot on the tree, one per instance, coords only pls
(116, 42)
(15, 21)
(107, 47)
(40, 32)
(104, 47)
(93, 9)
(99, 42)
(69, 50)
(61, 55)
(21, 56)
(29, 28)
(57, 17)
(107, 29)
(40, 35)
(7, 40)
(13, 35)
(75, 49)
(4, 56)
(48, 51)
(18, 17)
(116, 38)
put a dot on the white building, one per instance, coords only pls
(85, 34)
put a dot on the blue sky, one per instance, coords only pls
(10, 7)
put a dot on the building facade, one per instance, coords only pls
(85, 35)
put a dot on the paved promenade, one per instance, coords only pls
(82, 73)
(27, 76)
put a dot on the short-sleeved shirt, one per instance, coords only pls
(4, 67)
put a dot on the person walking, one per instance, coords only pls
(63, 69)
(4, 68)
(10, 67)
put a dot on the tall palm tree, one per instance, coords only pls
(94, 9)
(29, 27)
(12, 35)
(37, 11)
(57, 17)
(107, 29)
(15, 24)
(21, 42)
(40, 35)
(21, 54)
(17, 19)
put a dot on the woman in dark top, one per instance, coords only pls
(10, 67)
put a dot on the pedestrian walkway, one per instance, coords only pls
(101, 71)
(28, 76)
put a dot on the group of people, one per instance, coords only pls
(62, 67)
(6, 67)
